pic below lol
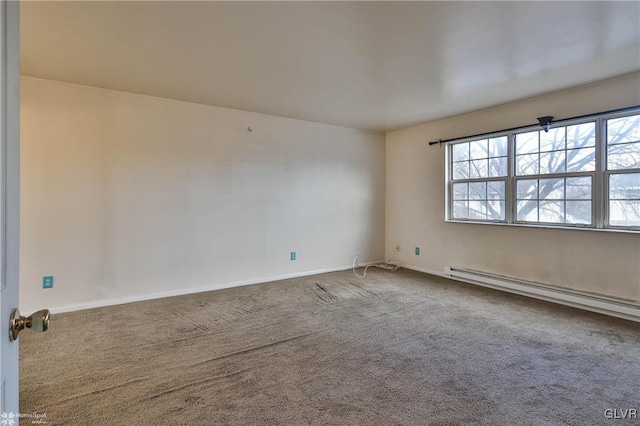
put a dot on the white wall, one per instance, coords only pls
(599, 262)
(127, 196)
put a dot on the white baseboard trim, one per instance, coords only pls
(181, 292)
(576, 299)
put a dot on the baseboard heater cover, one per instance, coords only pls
(603, 305)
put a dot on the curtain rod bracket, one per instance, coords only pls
(545, 122)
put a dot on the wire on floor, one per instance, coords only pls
(388, 266)
(355, 265)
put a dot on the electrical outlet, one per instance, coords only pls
(293, 255)
(398, 247)
(47, 282)
(417, 250)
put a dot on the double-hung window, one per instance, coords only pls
(479, 170)
(582, 173)
(554, 174)
(622, 175)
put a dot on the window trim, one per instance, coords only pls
(600, 176)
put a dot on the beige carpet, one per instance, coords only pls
(393, 348)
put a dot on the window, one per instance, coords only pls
(562, 163)
(623, 171)
(581, 173)
(479, 169)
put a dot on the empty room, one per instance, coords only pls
(362, 213)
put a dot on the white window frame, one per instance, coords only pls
(451, 181)
(607, 173)
(600, 177)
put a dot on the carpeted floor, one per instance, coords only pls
(393, 348)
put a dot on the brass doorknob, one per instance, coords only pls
(38, 321)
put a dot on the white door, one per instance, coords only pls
(9, 201)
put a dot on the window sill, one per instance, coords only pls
(526, 225)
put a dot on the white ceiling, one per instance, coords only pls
(368, 65)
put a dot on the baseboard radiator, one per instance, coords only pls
(603, 305)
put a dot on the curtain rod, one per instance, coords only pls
(543, 121)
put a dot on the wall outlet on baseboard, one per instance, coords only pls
(293, 255)
(47, 281)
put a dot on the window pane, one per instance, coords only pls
(527, 143)
(578, 188)
(623, 130)
(479, 149)
(625, 156)
(624, 213)
(552, 162)
(581, 135)
(461, 209)
(495, 210)
(578, 212)
(461, 170)
(552, 207)
(495, 190)
(497, 167)
(581, 160)
(461, 151)
(551, 189)
(528, 211)
(478, 209)
(624, 186)
(478, 168)
(498, 147)
(552, 211)
(552, 140)
(460, 191)
(527, 165)
(527, 189)
(478, 190)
